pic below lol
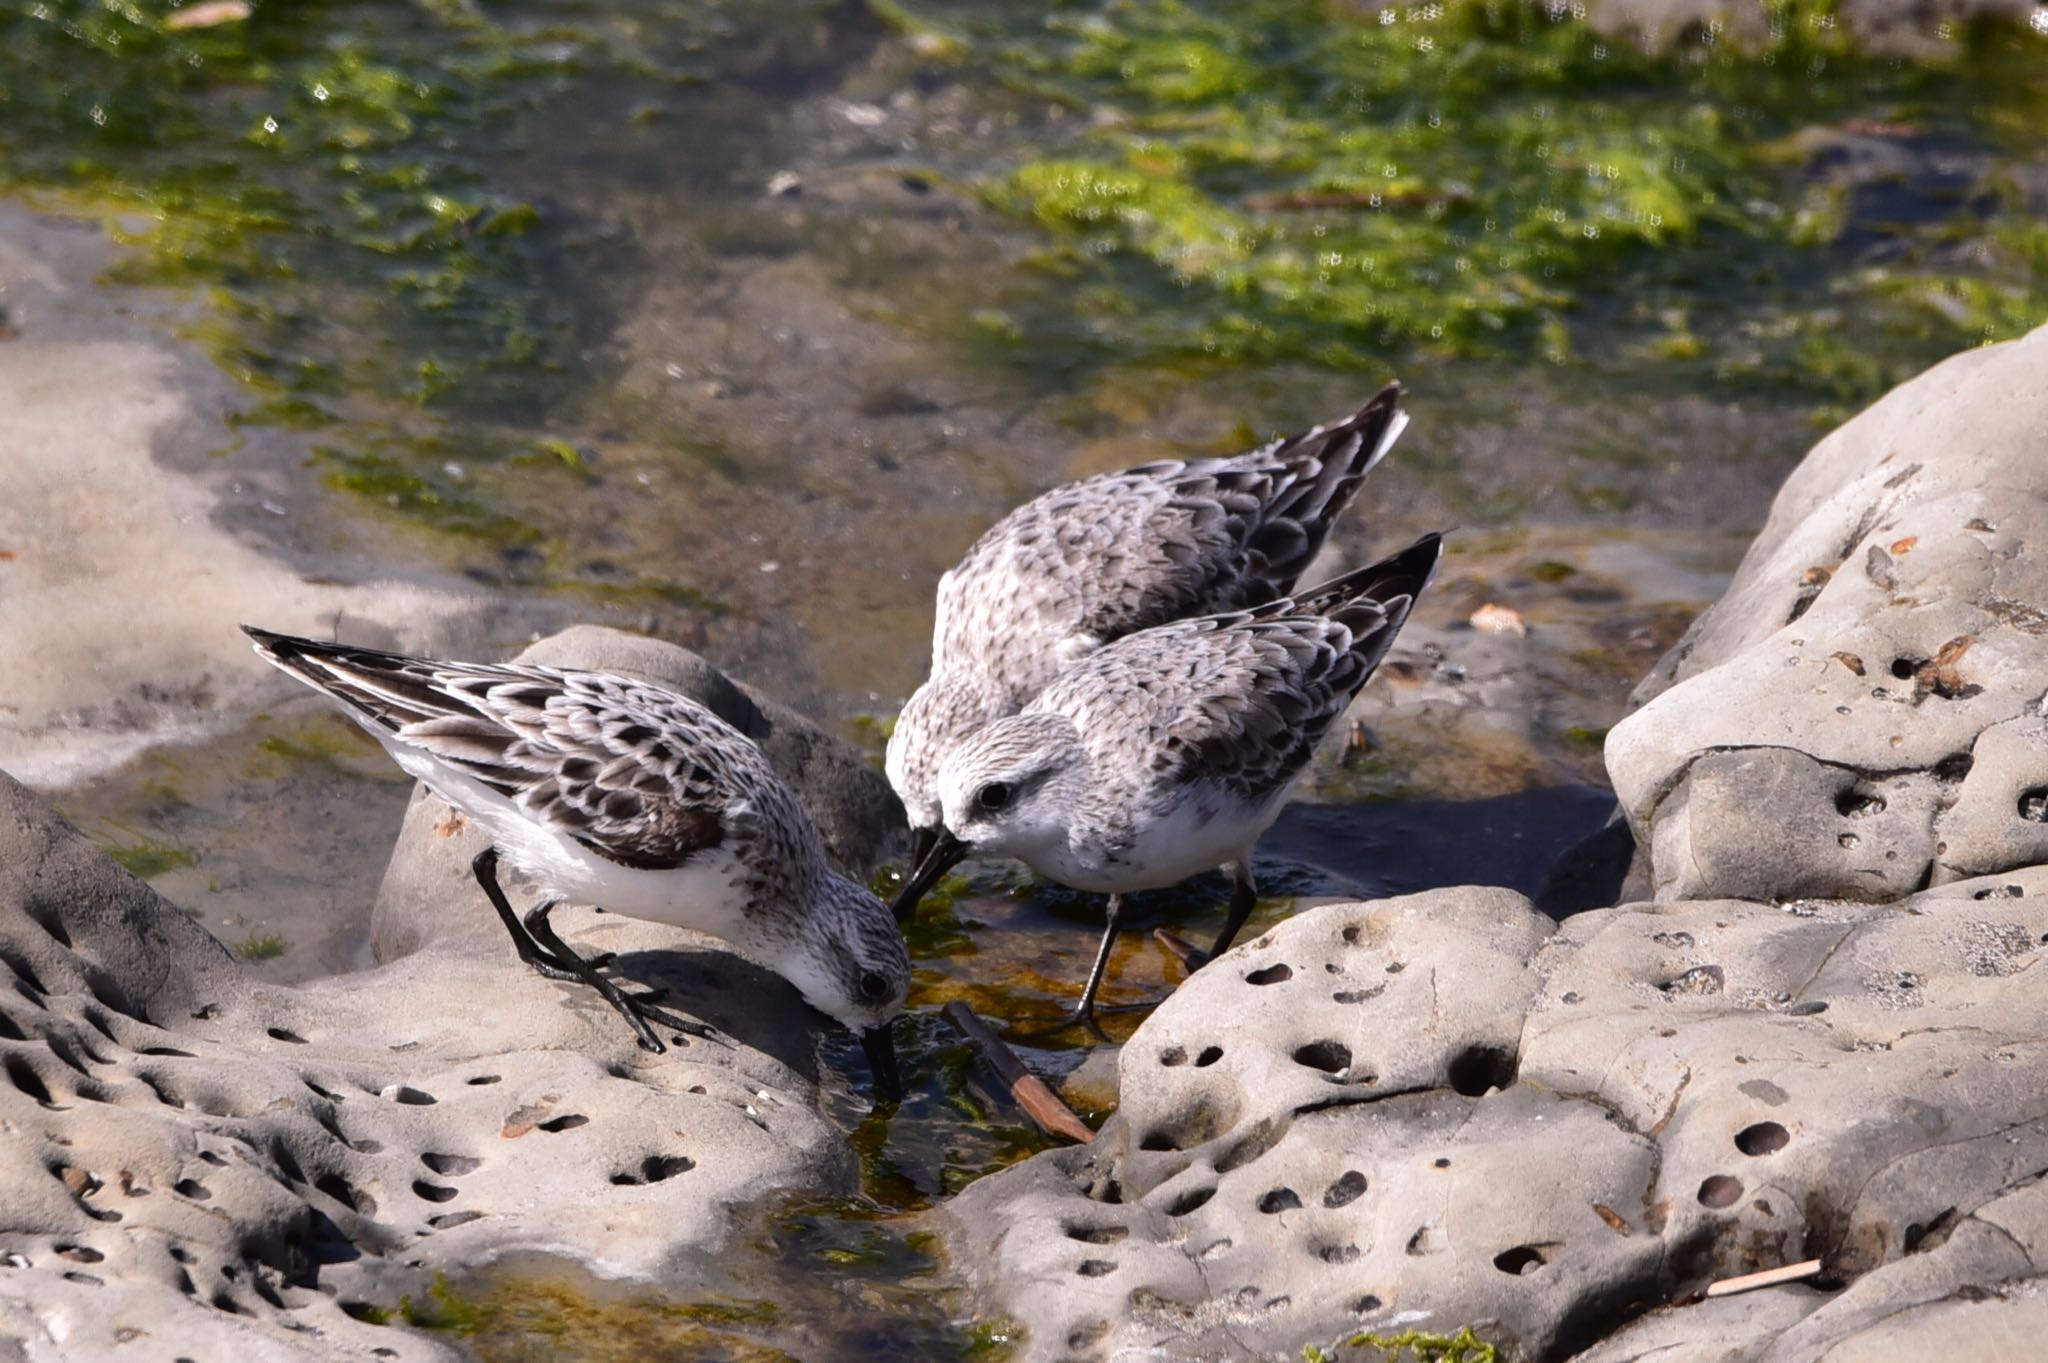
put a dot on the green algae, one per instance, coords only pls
(140, 855)
(262, 947)
(332, 178)
(323, 741)
(1411, 1346)
(531, 1313)
(644, 591)
(1290, 181)
(313, 146)
(419, 496)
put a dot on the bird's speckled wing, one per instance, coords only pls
(1108, 556)
(1240, 700)
(638, 774)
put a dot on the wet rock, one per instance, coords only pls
(1861, 713)
(201, 1165)
(1558, 1136)
(429, 893)
(112, 487)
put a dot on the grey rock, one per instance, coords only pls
(1860, 714)
(198, 1164)
(1559, 1136)
(428, 892)
(1969, 1288)
(1772, 823)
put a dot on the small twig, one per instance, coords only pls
(1040, 1103)
(1770, 1277)
(1184, 951)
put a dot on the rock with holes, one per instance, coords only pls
(1559, 1138)
(197, 1164)
(856, 814)
(1305, 1140)
(1970, 1289)
(1861, 713)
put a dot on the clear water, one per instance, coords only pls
(736, 323)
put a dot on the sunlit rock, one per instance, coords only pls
(199, 1164)
(1862, 712)
(1437, 1112)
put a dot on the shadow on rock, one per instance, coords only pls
(749, 1003)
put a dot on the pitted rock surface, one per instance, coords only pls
(1437, 1111)
(1862, 714)
(199, 1165)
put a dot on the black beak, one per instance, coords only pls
(881, 1049)
(942, 854)
(922, 840)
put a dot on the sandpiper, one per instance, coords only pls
(616, 793)
(1170, 751)
(1093, 561)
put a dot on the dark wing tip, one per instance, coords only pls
(1369, 423)
(1401, 574)
(273, 646)
(1382, 402)
(1415, 565)
(300, 656)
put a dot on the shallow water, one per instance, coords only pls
(736, 323)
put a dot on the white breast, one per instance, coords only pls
(1197, 835)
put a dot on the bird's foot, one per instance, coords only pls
(1088, 1017)
(642, 1004)
(544, 966)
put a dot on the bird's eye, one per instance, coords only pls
(993, 796)
(873, 987)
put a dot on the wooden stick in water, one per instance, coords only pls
(1770, 1277)
(1040, 1103)
(1186, 952)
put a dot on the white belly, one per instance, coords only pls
(1196, 836)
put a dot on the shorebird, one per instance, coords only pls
(1170, 751)
(1093, 561)
(616, 793)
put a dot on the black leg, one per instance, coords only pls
(539, 946)
(485, 868)
(536, 923)
(1084, 1011)
(1244, 897)
(636, 1011)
